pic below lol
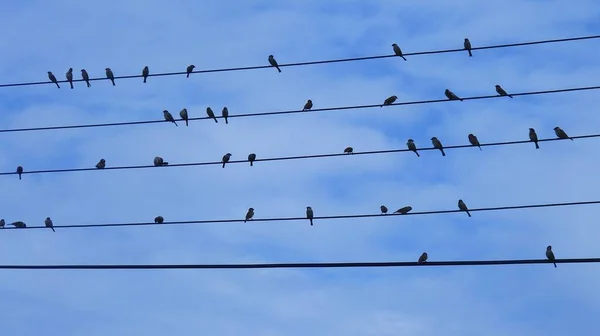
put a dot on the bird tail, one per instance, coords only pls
(223, 164)
(554, 265)
(311, 222)
(404, 58)
(88, 84)
(278, 69)
(417, 154)
(165, 163)
(58, 86)
(71, 84)
(470, 54)
(537, 146)
(468, 213)
(510, 96)
(186, 123)
(216, 120)
(144, 79)
(52, 229)
(443, 153)
(187, 75)
(175, 123)
(19, 176)
(479, 147)
(251, 164)
(227, 122)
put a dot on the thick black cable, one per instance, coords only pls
(285, 158)
(304, 265)
(320, 62)
(258, 114)
(316, 219)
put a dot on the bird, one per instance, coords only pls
(53, 79)
(533, 137)
(561, 134)
(501, 91)
(110, 75)
(450, 95)
(423, 258)
(550, 255)
(348, 150)
(474, 141)
(158, 161)
(85, 77)
(159, 220)
(467, 45)
(49, 224)
(184, 115)
(189, 70)
(389, 101)
(308, 105)
(69, 76)
(411, 146)
(273, 62)
(383, 209)
(463, 207)
(101, 164)
(309, 214)
(404, 210)
(398, 51)
(211, 114)
(20, 171)
(226, 158)
(145, 73)
(249, 214)
(225, 114)
(19, 224)
(251, 158)
(438, 145)
(169, 117)
(2, 223)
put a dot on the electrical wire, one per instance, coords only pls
(320, 62)
(285, 158)
(258, 114)
(315, 219)
(304, 265)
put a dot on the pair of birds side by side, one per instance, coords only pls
(466, 46)
(449, 94)
(20, 224)
(549, 256)
(309, 215)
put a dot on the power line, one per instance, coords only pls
(304, 265)
(355, 59)
(316, 219)
(285, 158)
(258, 114)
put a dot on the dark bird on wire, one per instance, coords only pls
(19, 224)
(85, 77)
(158, 161)
(49, 224)
(251, 158)
(561, 134)
(411, 146)
(348, 150)
(404, 210)
(226, 158)
(101, 164)
(438, 145)
(533, 137)
(249, 215)
(389, 101)
(383, 209)
(550, 255)
(225, 114)
(463, 207)
(169, 117)
(53, 79)
(398, 51)
(450, 95)
(69, 76)
(145, 73)
(467, 46)
(501, 92)
(474, 141)
(211, 114)
(423, 258)
(273, 62)
(20, 171)
(309, 214)
(189, 70)
(159, 220)
(110, 75)
(184, 116)
(308, 105)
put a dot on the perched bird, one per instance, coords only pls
(158, 161)
(273, 62)
(467, 45)
(404, 210)
(308, 105)
(389, 101)
(226, 158)
(309, 214)
(189, 70)
(474, 141)
(211, 114)
(398, 51)
(348, 150)
(53, 79)
(110, 75)
(159, 220)
(383, 209)
(19, 224)
(450, 95)
(251, 158)
(463, 207)
(501, 91)
(438, 145)
(69, 76)
(85, 77)
(411, 146)
(2, 223)
(101, 164)
(20, 171)
(561, 134)
(145, 73)
(225, 114)
(533, 137)
(184, 116)
(249, 214)
(49, 224)
(169, 117)
(423, 258)
(550, 255)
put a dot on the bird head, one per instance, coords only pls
(531, 129)
(466, 39)
(549, 248)
(308, 208)
(250, 209)
(471, 135)
(228, 154)
(411, 140)
(394, 44)
(70, 70)
(82, 70)
(433, 138)
(556, 128)
(309, 101)
(460, 201)
(146, 67)
(447, 91)
(102, 160)
(497, 86)
(47, 218)
(107, 69)
(49, 72)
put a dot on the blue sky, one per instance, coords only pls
(41, 36)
